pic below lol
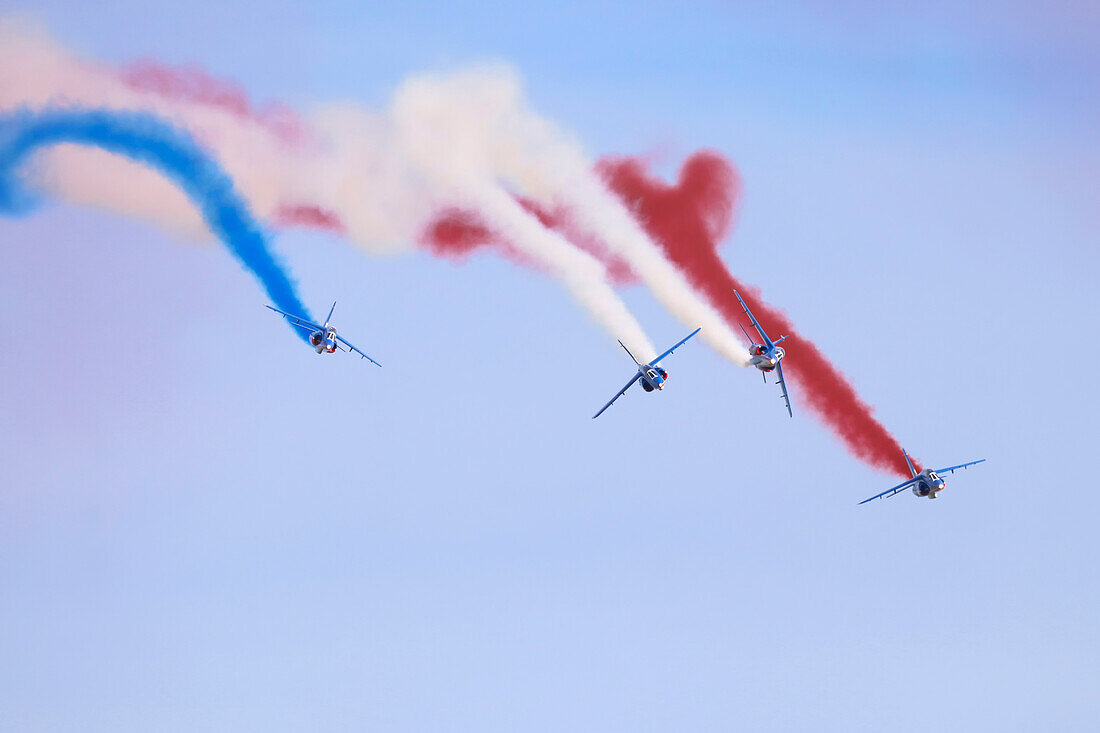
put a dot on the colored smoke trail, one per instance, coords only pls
(688, 219)
(148, 140)
(456, 233)
(195, 86)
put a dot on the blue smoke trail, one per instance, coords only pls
(150, 140)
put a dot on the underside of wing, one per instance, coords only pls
(617, 396)
(297, 320)
(891, 492)
(783, 386)
(351, 347)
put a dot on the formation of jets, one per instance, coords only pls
(766, 356)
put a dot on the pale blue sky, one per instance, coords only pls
(204, 526)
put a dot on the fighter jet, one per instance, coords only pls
(323, 338)
(926, 483)
(653, 377)
(766, 357)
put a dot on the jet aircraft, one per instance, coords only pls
(653, 377)
(323, 338)
(768, 356)
(926, 483)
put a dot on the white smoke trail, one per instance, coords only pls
(534, 155)
(449, 132)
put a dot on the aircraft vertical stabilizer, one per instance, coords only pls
(912, 471)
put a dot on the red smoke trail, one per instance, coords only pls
(456, 233)
(688, 220)
(197, 87)
(309, 216)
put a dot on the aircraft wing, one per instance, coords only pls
(351, 347)
(297, 320)
(783, 386)
(662, 356)
(755, 323)
(620, 394)
(893, 491)
(961, 465)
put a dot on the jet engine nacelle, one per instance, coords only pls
(647, 386)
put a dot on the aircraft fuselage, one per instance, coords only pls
(930, 484)
(323, 341)
(764, 358)
(653, 378)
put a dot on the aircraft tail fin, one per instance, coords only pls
(628, 352)
(330, 312)
(912, 471)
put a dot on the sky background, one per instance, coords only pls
(204, 526)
